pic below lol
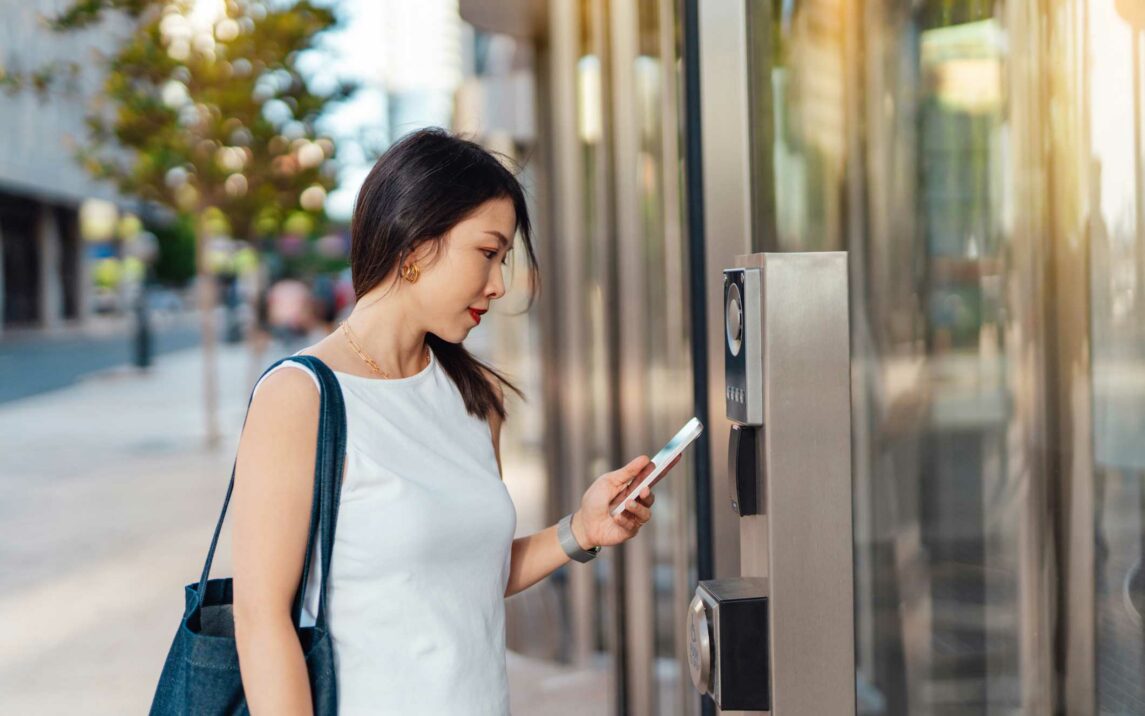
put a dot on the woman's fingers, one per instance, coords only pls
(647, 500)
(637, 466)
(641, 513)
(634, 470)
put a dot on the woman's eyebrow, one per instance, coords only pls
(499, 235)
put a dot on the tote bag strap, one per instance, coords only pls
(328, 469)
(329, 461)
(328, 465)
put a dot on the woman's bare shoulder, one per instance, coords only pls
(288, 386)
(283, 413)
(289, 397)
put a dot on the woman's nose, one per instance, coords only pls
(496, 288)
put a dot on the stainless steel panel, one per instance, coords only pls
(803, 544)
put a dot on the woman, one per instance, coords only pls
(424, 553)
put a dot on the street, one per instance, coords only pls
(32, 362)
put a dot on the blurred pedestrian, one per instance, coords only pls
(325, 308)
(290, 311)
(343, 294)
(424, 551)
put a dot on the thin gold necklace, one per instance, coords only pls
(370, 361)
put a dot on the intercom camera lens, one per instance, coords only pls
(733, 319)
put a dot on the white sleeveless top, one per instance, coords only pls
(416, 607)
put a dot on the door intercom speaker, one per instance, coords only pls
(728, 643)
(743, 346)
(743, 469)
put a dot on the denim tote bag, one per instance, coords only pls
(201, 673)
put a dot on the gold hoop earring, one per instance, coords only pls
(411, 272)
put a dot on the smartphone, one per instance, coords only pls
(662, 460)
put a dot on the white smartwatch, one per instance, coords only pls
(569, 544)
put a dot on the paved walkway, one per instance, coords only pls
(107, 500)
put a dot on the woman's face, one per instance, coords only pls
(466, 273)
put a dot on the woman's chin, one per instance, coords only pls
(454, 336)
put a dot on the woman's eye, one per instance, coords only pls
(489, 253)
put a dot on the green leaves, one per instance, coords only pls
(84, 13)
(208, 113)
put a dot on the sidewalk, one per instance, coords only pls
(107, 501)
(103, 325)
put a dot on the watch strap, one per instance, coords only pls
(569, 542)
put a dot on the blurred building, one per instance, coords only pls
(406, 58)
(421, 62)
(983, 165)
(44, 279)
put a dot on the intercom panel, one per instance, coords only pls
(743, 347)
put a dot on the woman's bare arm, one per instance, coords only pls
(274, 487)
(536, 556)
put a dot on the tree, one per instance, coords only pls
(205, 111)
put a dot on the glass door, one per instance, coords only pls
(1115, 183)
(906, 134)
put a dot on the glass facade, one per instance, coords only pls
(1112, 167)
(667, 367)
(619, 369)
(982, 164)
(958, 151)
(638, 369)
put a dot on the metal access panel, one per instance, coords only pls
(801, 541)
(743, 343)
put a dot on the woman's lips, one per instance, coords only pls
(476, 316)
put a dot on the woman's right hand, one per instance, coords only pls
(594, 522)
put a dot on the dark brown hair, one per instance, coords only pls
(420, 188)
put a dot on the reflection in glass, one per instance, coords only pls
(664, 336)
(591, 309)
(1117, 330)
(963, 152)
(907, 112)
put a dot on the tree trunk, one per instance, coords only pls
(257, 336)
(207, 301)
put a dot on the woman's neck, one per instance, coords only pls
(385, 333)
